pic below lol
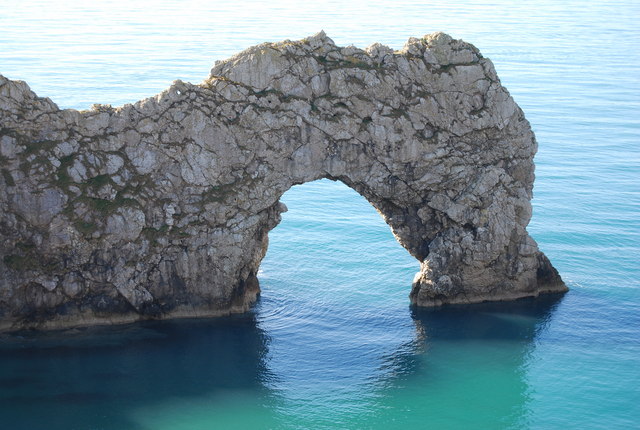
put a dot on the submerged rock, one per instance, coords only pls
(162, 208)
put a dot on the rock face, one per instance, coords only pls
(162, 208)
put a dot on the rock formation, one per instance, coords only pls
(162, 208)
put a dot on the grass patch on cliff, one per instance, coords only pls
(8, 179)
(98, 181)
(17, 262)
(26, 261)
(107, 207)
(31, 147)
(86, 228)
(154, 233)
(396, 113)
(62, 176)
(360, 64)
(29, 261)
(347, 62)
(25, 167)
(217, 193)
(103, 206)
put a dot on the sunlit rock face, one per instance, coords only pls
(162, 208)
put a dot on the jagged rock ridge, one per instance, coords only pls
(162, 208)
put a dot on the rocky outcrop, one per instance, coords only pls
(162, 208)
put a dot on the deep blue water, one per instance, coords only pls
(333, 343)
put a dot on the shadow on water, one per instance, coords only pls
(130, 377)
(467, 366)
(517, 320)
(99, 377)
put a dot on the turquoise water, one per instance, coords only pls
(332, 343)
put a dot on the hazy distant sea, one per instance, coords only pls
(332, 343)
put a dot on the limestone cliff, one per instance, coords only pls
(162, 208)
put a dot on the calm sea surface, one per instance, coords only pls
(332, 343)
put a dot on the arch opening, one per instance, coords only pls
(333, 242)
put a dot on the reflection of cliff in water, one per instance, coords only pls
(54, 380)
(519, 320)
(466, 367)
(469, 361)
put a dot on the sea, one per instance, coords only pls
(332, 342)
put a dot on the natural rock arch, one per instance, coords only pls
(162, 208)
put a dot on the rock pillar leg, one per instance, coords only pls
(459, 269)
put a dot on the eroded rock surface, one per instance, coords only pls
(162, 208)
